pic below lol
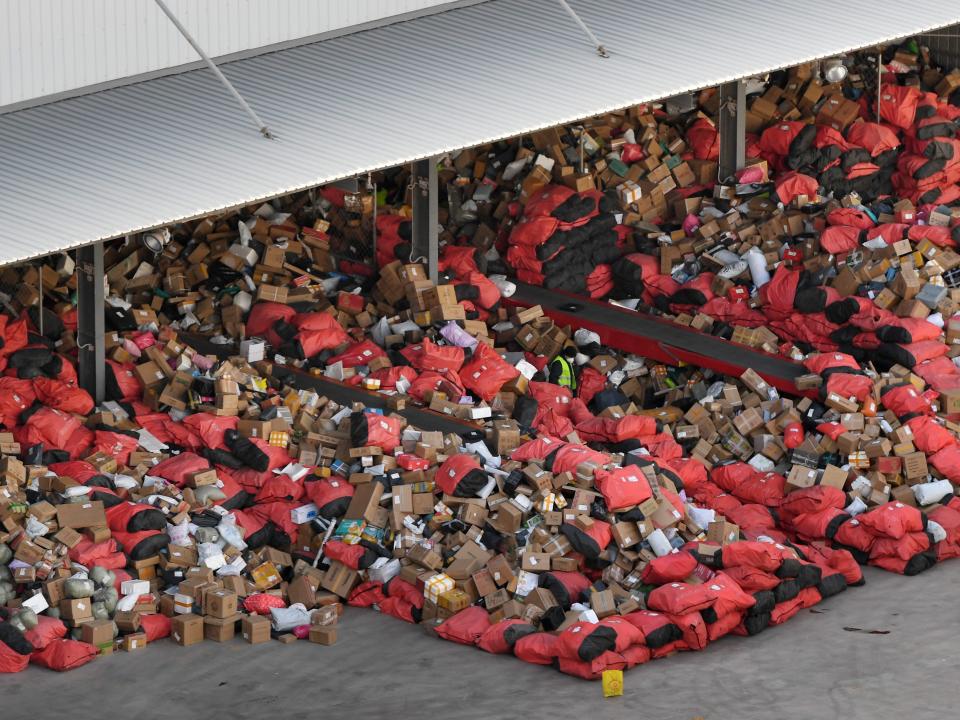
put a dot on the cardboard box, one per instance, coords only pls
(220, 604)
(81, 515)
(187, 629)
(220, 629)
(323, 635)
(255, 629)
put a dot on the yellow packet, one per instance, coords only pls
(612, 683)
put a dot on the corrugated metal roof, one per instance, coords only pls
(130, 158)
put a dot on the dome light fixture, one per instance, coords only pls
(834, 70)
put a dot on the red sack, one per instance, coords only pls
(537, 648)
(115, 444)
(400, 609)
(374, 429)
(840, 239)
(358, 354)
(466, 627)
(106, 554)
(11, 661)
(593, 669)
(461, 476)
(589, 543)
(63, 655)
(330, 495)
(566, 587)
(349, 555)
(260, 603)
(501, 637)
(792, 184)
(47, 630)
(264, 315)
(279, 487)
(366, 594)
(62, 396)
(591, 382)
(760, 555)
(669, 568)
(811, 500)
(903, 399)
(585, 641)
(439, 358)
(628, 634)
(211, 428)
(751, 579)
(929, 436)
(679, 598)
(15, 396)
(658, 629)
(622, 487)
(730, 597)
(177, 468)
(156, 626)
(693, 628)
(892, 520)
(486, 372)
(898, 105)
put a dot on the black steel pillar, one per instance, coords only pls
(90, 320)
(733, 128)
(426, 238)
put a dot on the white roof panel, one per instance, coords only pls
(134, 157)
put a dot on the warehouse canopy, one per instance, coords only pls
(147, 154)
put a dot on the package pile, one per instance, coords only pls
(650, 510)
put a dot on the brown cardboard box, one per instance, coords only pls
(220, 629)
(722, 532)
(323, 634)
(76, 610)
(303, 590)
(81, 515)
(255, 629)
(186, 629)
(220, 604)
(98, 633)
(135, 641)
(340, 579)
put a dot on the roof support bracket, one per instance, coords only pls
(601, 50)
(425, 242)
(733, 129)
(90, 320)
(264, 130)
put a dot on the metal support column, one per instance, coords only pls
(733, 129)
(90, 320)
(426, 239)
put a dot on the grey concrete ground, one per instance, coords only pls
(810, 669)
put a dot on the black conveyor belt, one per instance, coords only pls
(422, 418)
(658, 339)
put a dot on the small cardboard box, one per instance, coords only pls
(323, 634)
(81, 515)
(98, 633)
(220, 604)
(255, 629)
(722, 532)
(220, 629)
(135, 641)
(187, 629)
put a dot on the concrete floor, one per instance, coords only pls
(808, 669)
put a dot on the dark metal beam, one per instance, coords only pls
(426, 238)
(90, 320)
(733, 127)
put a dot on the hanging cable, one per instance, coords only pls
(372, 186)
(264, 130)
(601, 50)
